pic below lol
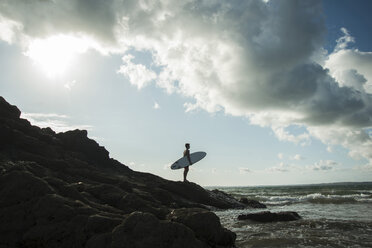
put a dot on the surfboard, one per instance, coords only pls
(183, 162)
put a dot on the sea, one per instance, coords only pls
(333, 215)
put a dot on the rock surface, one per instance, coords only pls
(205, 224)
(270, 217)
(63, 190)
(252, 203)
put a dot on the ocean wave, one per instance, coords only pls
(315, 198)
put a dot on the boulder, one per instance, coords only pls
(225, 197)
(205, 224)
(21, 186)
(267, 216)
(144, 230)
(252, 203)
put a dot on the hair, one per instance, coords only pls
(187, 144)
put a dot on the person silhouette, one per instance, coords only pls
(186, 153)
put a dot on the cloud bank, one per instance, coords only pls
(256, 59)
(59, 123)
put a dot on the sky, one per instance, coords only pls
(276, 92)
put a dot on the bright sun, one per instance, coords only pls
(54, 55)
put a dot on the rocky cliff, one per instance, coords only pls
(63, 190)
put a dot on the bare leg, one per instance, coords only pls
(186, 170)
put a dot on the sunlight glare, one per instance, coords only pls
(54, 55)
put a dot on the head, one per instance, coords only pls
(187, 145)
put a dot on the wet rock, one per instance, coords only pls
(252, 203)
(205, 224)
(225, 197)
(267, 216)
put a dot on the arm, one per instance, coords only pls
(188, 157)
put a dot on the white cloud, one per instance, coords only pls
(297, 157)
(244, 170)
(350, 67)
(280, 155)
(261, 60)
(323, 165)
(57, 122)
(8, 28)
(69, 85)
(344, 41)
(284, 135)
(138, 74)
(280, 168)
(156, 105)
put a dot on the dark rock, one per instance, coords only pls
(252, 203)
(270, 217)
(63, 190)
(100, 224)
(99, 241)
(145, 230)
(7, 110)
(20, 186)
(225, 197)
(107, 194)
(193, 193)
(77, 140)
(205, 224)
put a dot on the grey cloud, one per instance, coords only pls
(292, 30)
(41, 18)
(246, 57)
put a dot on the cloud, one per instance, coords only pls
(138, 74)
(8, 28)
(256, 59)
(280, 168)
(280, 155)
(323, 165)
(57, 122)
(69, 85)
(284, 135)
(45, 18)
(365, 168)
(297, 157)
(350, 67)
(294, 157)
(243, 170)
(156, 105)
